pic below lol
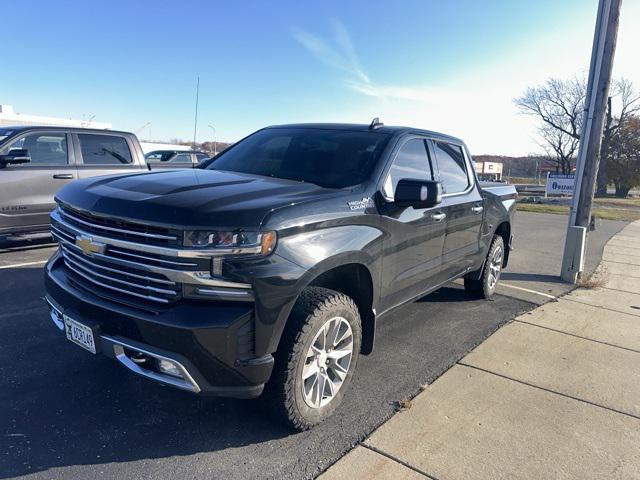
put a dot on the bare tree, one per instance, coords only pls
(560, 148)
(559, 105)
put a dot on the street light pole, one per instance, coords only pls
(139, 130)
(195, 121)
(604, 46)
(215, 147)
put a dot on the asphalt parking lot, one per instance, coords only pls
(66, 414)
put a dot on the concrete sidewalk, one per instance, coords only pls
(553, 394)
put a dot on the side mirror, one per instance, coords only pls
(418, 193)
(15, 156)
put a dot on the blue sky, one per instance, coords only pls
(451, 66)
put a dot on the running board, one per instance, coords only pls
(27, 237)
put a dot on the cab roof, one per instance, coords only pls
(21, 128)
(357, 127)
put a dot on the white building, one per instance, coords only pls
(8, 117)
(489, 170)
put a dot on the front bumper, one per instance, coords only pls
(211, 342)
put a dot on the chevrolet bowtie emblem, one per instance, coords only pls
(89, 245)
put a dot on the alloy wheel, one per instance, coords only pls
(327, 362)
(495, 266)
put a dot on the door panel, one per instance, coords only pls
(412, 253)
(462, 237)
(415, 236)
(27, 190)
(463, 205)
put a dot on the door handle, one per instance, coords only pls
(438, 217)
(477, 209)
(63, 176)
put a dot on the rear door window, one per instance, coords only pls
(452, 167)
(100, 149)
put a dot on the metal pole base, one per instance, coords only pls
(574, 252)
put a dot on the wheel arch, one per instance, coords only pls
(355, 281)
(346, 274)
(504, 231)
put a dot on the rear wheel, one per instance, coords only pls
(485, 286)
(316, 358)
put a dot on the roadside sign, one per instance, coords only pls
(558, 184)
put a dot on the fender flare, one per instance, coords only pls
(324, 266)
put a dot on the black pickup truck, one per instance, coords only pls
(268, 269)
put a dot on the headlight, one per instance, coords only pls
(236, 242)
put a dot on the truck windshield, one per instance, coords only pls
(325, 157)
(4, 134)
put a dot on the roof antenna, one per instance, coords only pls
(375, 123)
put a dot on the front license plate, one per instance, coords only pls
(79, 334)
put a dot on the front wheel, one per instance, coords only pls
(316, 357)
(485, 286)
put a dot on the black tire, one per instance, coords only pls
(485, 287)
(284, 392)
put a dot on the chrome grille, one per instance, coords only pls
(127, 271)
(120, 274)
(119, 229)
(97, 272)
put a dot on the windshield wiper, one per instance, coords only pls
(115, 155)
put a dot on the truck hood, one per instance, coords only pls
(190, 198)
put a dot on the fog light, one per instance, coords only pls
(169, 368)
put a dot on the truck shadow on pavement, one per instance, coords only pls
(64, 408)
(23, 245)
(446, 294)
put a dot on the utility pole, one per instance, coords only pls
(602, 53)
(215, 147)
(195, 122)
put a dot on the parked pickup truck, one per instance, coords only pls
(268, 270)
(37, 161)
